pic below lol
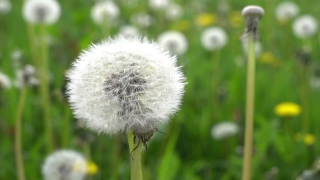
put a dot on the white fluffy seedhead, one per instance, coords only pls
(122, 84)
(129, 31)
(173, 11)
(41, 11)
(104, 11)
(305, 26)
(214, 38)
(286, 10)
(224, 130)
(158, 4)
(64, 164)
(5, 6)
(173, 41)
(5, 81)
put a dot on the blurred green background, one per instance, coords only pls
(187, 150)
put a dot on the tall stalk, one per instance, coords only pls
(249, 109)
(17, 137)
(136, 170)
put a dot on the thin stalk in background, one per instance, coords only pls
(116, 156)
(216, 83)
(247, 164)
(44, 89)
(33, 47)
(17, 137)
(136, 170)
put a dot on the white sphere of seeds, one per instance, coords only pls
(122, 84)
(214, 38)
(305, 26)
(252, 12)
(4, 81)
(129, 31)
(41, 11)
(173, 41)
(158, 4)
(5, 6)
(173, 11)
(224, 130)
(286, 10)
(104, 11)
(64, 164)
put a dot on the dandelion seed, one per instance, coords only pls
(5, 6)
(286, 11)
(4, 81)
(125, 84)
(224, 130)
(173, 41)
(41, 11)
(214, 38)
(287, 109)
(305, 26)
(104, 12)
(67, 164)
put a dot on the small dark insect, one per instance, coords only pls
(143, 138)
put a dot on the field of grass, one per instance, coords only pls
(283, 146)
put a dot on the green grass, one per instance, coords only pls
(187, 151)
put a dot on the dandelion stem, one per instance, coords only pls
(44, 89)
(305, 98)
(136, 170)
(17, 144)
(246, 171)
(31, 36)
(216, 83)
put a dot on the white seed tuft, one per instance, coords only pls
(286, 10)
(305, 26)
(104, 12)
(224, 130)
(214, 38)
(173, 41)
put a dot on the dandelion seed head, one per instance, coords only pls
(173, 41)
(5, 6)
(129, 31)
(64, 164)
(5, 81)
(122, 84)
(41, 11)
(173, 11)
(286, 11)
(214, 38)
(26, 77)
(142, 19)
(224, 130)
(305, 26)
(158, 4)
(104, 12)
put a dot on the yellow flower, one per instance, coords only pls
(309, 139)
(205, 19)
(270, 59)
(236, 19)
(92, 168)
(287, 109)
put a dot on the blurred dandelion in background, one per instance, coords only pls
(305, 26)
(5, 6)
(173, 12)
(26, 76)
(41, 11)
(104, 12)
(286, 11)
(214, 38)
(5, 81)
(173, 41)
(224, 130)
(159, 4)
(129, 31)
(142, 19)
(287, 109)
(67, 164)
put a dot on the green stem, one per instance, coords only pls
(44, 89)
(247, 164)
(17, 144)
(33, 48)
(216, 79)
(87, 150)
(305, 98)
(136, 170)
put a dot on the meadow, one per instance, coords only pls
(285, 144)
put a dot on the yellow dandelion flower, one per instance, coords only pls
(92, 168)
(269, 59)
(205, 19)
(287, 109)
(236, 19)
(309, 139)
